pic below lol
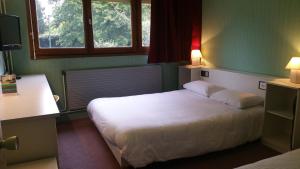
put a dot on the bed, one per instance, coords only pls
(146, 128)
(290, 160)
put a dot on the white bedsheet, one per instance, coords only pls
(164, 126)
(290, 160)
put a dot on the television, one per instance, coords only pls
(10, 34)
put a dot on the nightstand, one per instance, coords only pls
(282, 118)
(188, 73)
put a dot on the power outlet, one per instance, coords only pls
(262, 85)
(204, 73)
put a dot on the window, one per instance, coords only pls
(60, 23)
(62, 28)
(111, 24)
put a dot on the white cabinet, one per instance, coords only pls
(282, 118)
(31, 116)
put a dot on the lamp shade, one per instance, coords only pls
(294, 63)
(196, 56)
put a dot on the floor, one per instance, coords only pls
(82, 147)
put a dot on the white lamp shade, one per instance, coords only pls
(196, 57)
(294, 63)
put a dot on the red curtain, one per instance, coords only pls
(175, 29)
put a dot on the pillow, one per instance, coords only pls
(237, 99)
(202, 87)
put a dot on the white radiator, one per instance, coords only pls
(82, 86)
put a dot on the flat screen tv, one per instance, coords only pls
(10, 34)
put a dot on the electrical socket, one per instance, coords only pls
(204, 73)
(262, 85)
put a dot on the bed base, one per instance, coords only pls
(124, 164)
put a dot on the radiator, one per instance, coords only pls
(82, 86)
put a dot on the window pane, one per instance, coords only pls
(60, 23)
(111, 23)
(146, 20)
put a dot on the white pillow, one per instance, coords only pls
(237, 99)
(202, 87)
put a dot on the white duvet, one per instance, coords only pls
(290, 160)
(164, 126)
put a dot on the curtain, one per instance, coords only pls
(175, 29)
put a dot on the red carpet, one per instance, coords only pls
(82, 147)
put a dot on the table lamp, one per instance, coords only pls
(294, 66)
(196, 57)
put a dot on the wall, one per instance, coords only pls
(54, 67)
(257, 36)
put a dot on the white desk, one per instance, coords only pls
(30, 115)
(34, 99)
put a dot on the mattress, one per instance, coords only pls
(290, 160)
(170, 125)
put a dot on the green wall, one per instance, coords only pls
(257, 36)
(53, 67)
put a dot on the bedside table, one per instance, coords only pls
(188, 73)
(282, 118)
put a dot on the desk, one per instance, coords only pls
(30, 115)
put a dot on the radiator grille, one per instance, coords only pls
(82, 86)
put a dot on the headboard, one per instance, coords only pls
(82, 86)
(241, 81)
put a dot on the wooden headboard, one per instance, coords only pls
(82, 86)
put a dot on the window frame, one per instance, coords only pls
(89, 49)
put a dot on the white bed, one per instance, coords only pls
(290, 160)
(158, 127)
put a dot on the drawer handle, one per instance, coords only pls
(11, 143)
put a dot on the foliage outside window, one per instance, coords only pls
(60, 23)
(111, 23)
(70, 27)
(146, 18)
